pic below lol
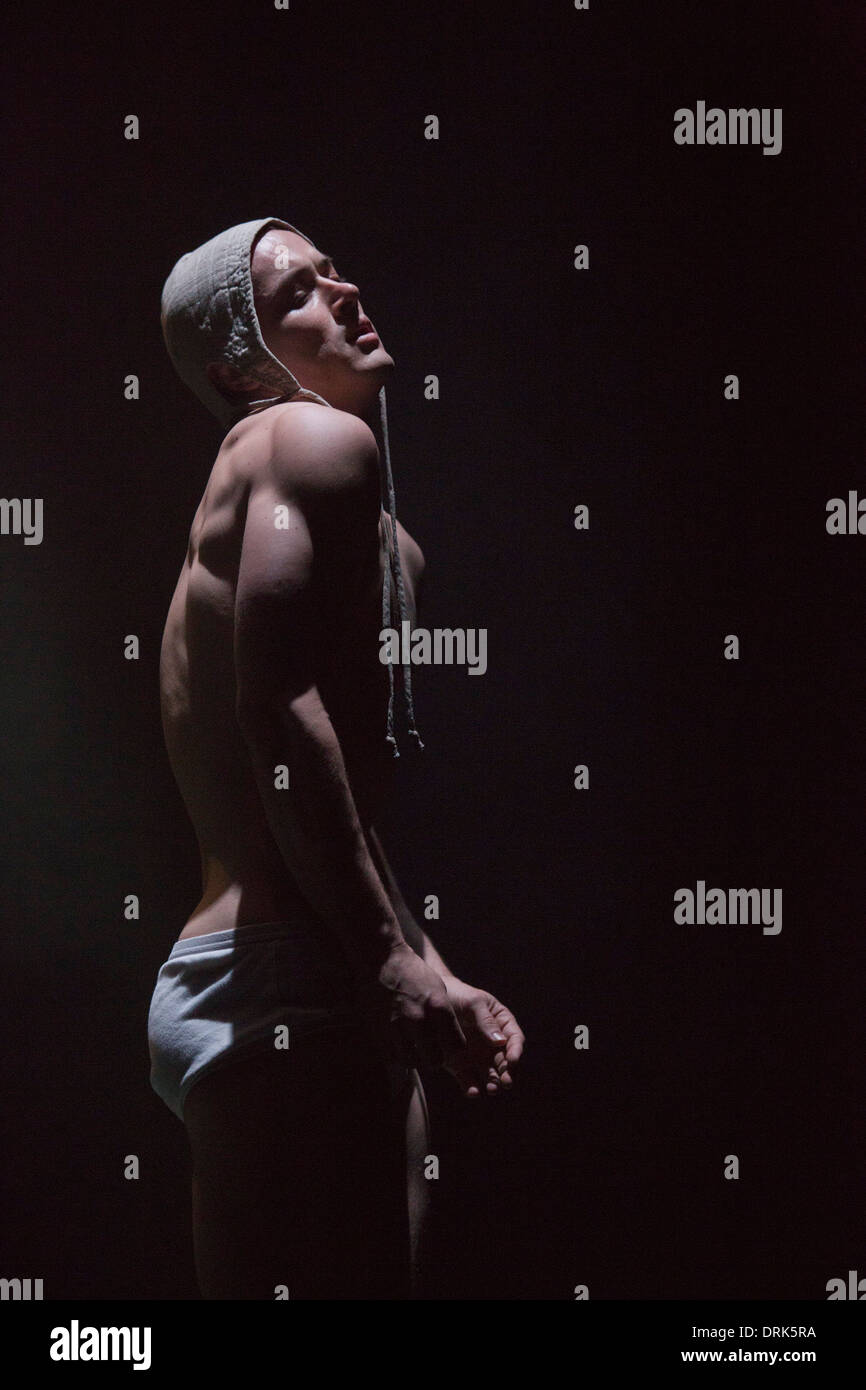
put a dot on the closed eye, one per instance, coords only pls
(297, 294)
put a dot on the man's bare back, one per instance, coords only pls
(244, 876)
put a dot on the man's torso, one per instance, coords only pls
(244, 877)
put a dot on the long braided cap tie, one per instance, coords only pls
(393, 567)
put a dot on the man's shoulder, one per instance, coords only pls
(309, 447)
(300, 420)
(316, 457)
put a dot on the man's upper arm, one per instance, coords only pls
(312, 512)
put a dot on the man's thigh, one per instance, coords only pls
(418, 1185)
(299, 1174)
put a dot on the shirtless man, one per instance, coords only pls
(308, 1160)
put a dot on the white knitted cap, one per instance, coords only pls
(208, 315)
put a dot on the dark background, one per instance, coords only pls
(605, 1167)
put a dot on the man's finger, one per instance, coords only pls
(487, 1026)
(465, 1077)
(508, 1025)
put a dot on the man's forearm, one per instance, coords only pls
(317, 828)
(415, 936)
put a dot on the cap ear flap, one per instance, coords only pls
(230, 380)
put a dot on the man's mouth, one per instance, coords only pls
(366, 331)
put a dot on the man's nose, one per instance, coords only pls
(346, 290)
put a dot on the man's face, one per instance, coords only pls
(313, 321)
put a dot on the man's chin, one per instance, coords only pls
(381, 357)
(378, 364)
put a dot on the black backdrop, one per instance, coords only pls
(558, 387)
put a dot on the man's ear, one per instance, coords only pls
(229, 381)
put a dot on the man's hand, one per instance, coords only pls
(410, 1012)
(494, 1041)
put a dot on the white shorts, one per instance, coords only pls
(221, 996)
